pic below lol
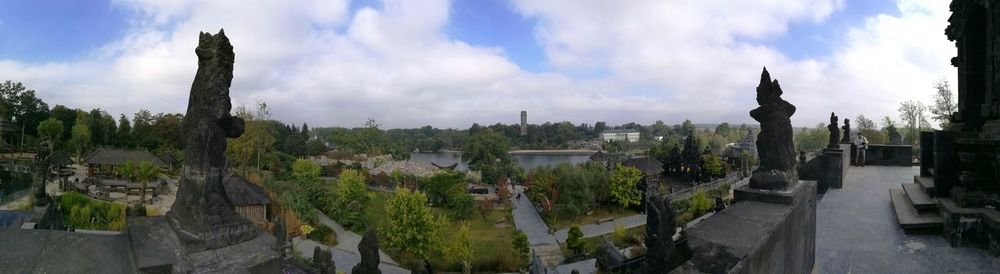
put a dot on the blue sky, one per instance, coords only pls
(451, 63)
(55, 30)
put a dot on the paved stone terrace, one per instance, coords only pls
(857, 232)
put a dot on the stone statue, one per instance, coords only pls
(609, 257)
(202, 214)
(834, 132)
(774, 142)
(280, 236)
(323, 261)
(368, 249)
(661, 253)
(847, 132)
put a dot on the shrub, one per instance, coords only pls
(462, 205)
(573, 240)
(521, 245)
(323, 234)
(81, 212)
(700, 203)
(619, 233)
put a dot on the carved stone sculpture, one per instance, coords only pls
(202, 214)
(774, 143)
(323, 261)
(846, 138)
(660, 228)
(834, 132)
(368, 249)
(280, 236)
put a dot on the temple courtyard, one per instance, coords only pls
(857, 232)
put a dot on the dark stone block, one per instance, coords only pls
(889, 155)
(945, 162)
(764, 232)
(926, 153)
(827, 169)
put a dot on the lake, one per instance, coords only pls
(526, 161)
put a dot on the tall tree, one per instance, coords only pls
(944, 104)
(258, 139)
(410, 225)
(914, 118)
(21, 104)
(124, 134)
(488, 152)
(623, 186)
(81, 137)
(142, 129)
(50, 130)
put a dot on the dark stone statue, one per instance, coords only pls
(834, 132)
(661, 253)
(847, 132)
(774, 143)
(802, 157)
(280, 236)
(202, 214)
(368, 249)
(609, 257)
(323, 261)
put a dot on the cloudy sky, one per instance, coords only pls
(409, 63)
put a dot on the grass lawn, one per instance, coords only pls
(601, 212)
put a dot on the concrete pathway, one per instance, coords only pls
(592, 230)
(527, 220)
(347, 240)
(856, 232)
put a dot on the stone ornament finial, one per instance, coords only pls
(775, 146)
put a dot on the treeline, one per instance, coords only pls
(31, 122)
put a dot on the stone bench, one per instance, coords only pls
(605, 220)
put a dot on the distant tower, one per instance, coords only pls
(524, 122)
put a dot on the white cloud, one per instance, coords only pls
(318, 62)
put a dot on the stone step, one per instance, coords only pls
(920, 200)
(907, 215)
(925, 182)
(549, 253)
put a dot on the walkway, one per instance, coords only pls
(592, 230)
(856, 232)
(345, 253)
(527, 220)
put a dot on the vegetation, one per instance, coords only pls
(623, 186)
(144, 172)
(574, 240)
(487, 152)
(521, 245)
(410, 225)
(351, 199)
(81, 212)
(459, 248)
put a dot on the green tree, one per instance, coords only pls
(623, 186)
(914, 118)
(258, 139)
(305, 169)
(50, 129)
(440, 185)
(21, 104)
(488, 152)
(700, 203)
(411, 226)
(124, 134)
(574, 240)
(521, 245)
(459, 248)
(144, 172)
(81, 138)
(944, 104)
(142, 129)
(713, 166)
(352, 198)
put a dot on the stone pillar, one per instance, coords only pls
(926, 153)
(945, 162)
(833, 164)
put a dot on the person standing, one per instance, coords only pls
(862, 145)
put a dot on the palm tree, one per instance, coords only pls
(146, 171)
(128, 170)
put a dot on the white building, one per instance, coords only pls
(620, 135)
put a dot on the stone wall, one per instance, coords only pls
(885, 155)
(763, 232)
(827, 169)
